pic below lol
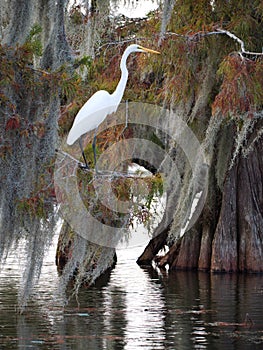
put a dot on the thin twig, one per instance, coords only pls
(122, 42)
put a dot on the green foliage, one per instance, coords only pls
(85, 61)
(36, 29)
(68, 83)
(33, 41)
(242, 17)
(155, 184)
(191, 15)
(142, 192)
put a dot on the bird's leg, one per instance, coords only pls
(94, 147)
(126, 113)
(83, 155)
(126, 118)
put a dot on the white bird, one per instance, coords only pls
(101, 104)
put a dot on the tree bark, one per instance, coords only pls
(224, 249)
(228, 236)
(238, 241)
(154, 246)
(250, 214)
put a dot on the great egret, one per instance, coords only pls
(101, 104)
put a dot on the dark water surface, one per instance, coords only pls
(138, 308)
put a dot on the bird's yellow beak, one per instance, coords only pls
(149, 50)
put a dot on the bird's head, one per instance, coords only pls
(139, 48)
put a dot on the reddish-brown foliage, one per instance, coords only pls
(13, 123)
(242, 86)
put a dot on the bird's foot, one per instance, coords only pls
(98, 172)
(84, 166)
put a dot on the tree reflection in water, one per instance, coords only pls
(137, 307)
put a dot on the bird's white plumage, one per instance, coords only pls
(92, 113)
(101, 104)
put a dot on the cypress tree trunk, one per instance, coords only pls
(238, 240)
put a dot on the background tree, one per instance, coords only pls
(36, 79)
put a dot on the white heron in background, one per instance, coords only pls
(101, 104)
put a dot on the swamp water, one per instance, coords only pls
(137, 308)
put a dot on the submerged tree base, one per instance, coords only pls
(81, 262)
(229, 239)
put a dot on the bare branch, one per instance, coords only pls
(216, 32)
(112, 174)
(242, 45)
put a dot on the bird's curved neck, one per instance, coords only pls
(118, 93)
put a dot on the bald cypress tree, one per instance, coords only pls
(215, 83)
